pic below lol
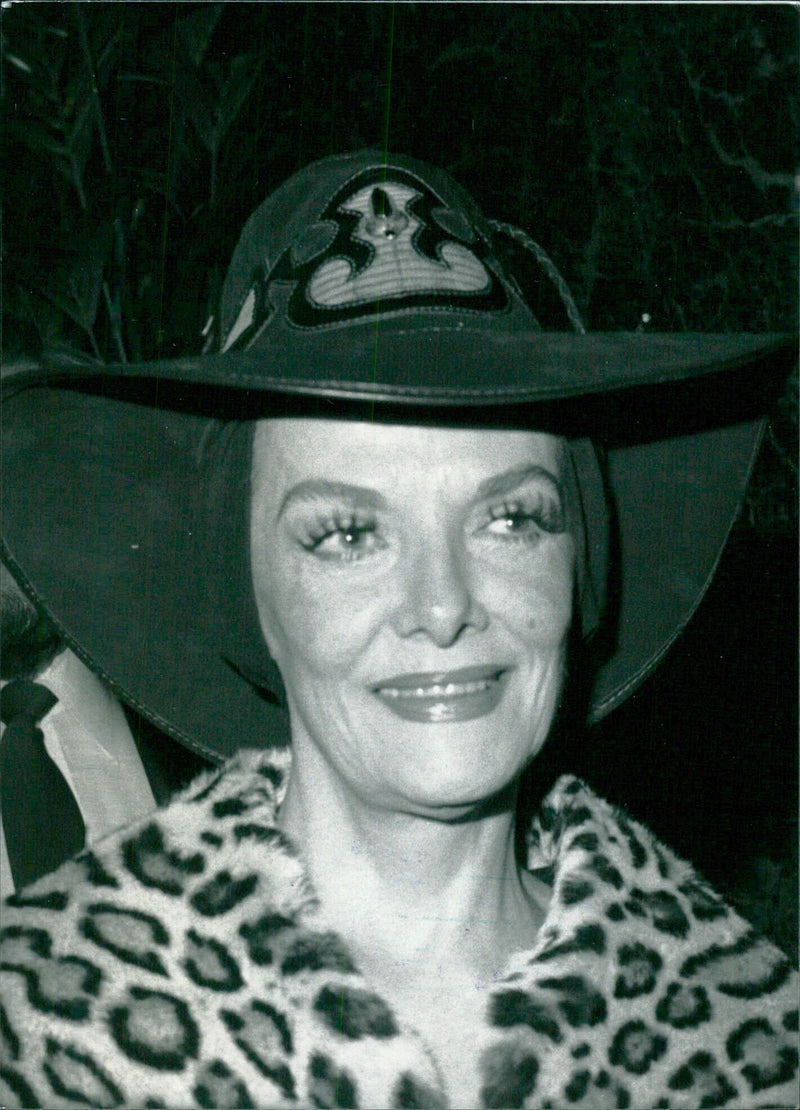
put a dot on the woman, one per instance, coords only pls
(376, 508)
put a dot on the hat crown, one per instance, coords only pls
(360, 237)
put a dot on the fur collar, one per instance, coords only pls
(215, 981)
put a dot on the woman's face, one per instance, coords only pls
(414, 586)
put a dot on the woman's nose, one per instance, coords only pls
(437, 596)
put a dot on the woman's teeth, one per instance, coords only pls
(449, 690)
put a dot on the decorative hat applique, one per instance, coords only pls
(382, 244)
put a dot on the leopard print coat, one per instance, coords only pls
(180, 964)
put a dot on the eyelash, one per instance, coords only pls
(335, 524)
(539, 514)
(543, 513)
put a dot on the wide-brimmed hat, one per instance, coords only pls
(371, 287)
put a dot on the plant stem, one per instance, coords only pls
(114, 317)
(98, 111)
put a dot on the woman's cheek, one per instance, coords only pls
(541, 602)
(550, 617)
(327, 621)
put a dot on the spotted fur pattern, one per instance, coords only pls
(181, 964)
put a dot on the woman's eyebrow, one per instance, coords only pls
(315, 489)
(511, 480)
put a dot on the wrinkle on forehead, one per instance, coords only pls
(292, 450)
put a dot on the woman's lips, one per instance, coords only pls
(444, 695)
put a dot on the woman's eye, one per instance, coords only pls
(525, 522)
(344, 542)
(514, 525)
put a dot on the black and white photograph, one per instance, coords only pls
(398, 555)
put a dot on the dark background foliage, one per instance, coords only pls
(650, 149)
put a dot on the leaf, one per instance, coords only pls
(43, 315)
(104, 57)
(197, 105)
(36, 137)
(28, 45)
(73, 286)
(84, 285)
(243, 72)
(142, 79)
(78, 118)
(195, 31)
(67, 354)
(18, 63)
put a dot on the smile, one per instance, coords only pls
(452, 696)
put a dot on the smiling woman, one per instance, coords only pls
(434, 586)
(385, 534)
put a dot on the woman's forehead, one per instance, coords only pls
(293, 448)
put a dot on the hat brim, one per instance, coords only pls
(416, 363)
(97, 525)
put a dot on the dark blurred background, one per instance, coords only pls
(650, 149)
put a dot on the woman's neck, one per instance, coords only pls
(430, 893)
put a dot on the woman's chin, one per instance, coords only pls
(449, 769)
(484, 745)
(449, 801)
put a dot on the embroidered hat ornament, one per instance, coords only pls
(367, 286)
